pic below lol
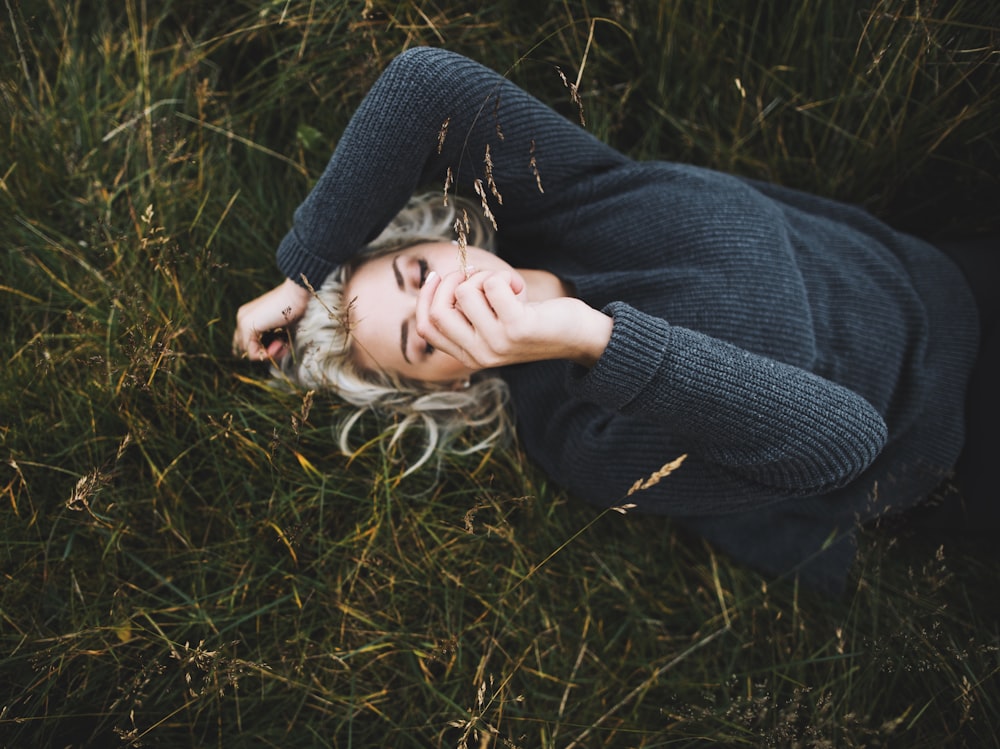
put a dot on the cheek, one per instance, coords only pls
(441, 368)
(364, 349)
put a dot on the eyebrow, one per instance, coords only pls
(404, 329)
(404, 334)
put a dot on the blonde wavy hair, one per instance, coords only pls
(323, 359)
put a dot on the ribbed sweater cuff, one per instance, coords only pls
(295, 261)
(631, 360)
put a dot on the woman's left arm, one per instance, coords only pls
(770, 424)
(773, 424)
(485, 321)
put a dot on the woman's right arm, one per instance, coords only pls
(431, 113)
(432, 116)
(769, 427)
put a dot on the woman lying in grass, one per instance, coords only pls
(810, 361)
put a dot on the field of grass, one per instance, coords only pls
(187, 560)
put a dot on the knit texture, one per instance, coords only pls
(810, 360)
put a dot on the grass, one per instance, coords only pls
(188, 561)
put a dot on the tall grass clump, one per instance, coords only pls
(188, 561)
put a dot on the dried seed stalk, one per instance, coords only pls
(443, 133)
(574, 95)
(657, 476)
(490, 182)
(342, 314)
(533, 166)
(496, 116)
(449, 179)
(462, 226)
(481, 192)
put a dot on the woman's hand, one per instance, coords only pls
(486, 321)
(279, 308)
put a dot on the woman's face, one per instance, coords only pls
(382, 294)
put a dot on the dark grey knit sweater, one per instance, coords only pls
(810, 360)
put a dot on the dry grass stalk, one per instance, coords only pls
(481, 192)
(449, 179)
(496, 116)
(574, 94)
(462, 226)
(343, 314)
(646, 684)
(656, 476)
(299, 420)
(490, 182)
(20, 53)
(623, 509)
(533, 166)
(85, 488)
(443, 133)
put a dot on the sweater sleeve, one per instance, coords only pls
(430, 112)
(767, 424)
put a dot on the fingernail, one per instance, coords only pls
(431, 275)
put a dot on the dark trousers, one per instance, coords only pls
(976, 504)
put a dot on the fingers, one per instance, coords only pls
(271, 345)
(455, 307)
(274, 311)
(438, 319)
(501, 291)
(248, 337)
(250, 345)
(243, 343)
(469, 319)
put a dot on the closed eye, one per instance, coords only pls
(422, 265)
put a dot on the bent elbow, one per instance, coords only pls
(813, 462)
(850, 455)
(833, 460)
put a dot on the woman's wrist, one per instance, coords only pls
(593, 334)
(296, 288)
